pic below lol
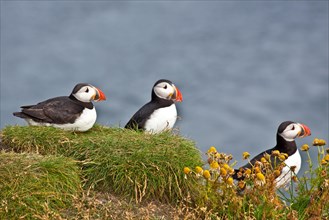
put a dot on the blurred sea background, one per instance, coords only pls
(243, 67)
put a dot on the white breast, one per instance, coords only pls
(86, 120)
(286, 174)
(161, 119)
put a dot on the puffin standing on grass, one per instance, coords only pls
(75, 112)
(287, 132)
(160, 113)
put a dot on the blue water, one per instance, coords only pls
(243, 66)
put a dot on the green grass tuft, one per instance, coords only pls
(134, 164)
(36, 187)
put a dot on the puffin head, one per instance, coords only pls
(86, 93)
(289, 130)
(165, 89)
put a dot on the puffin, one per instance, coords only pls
(287, 132)
(75, 112)
(160, 113)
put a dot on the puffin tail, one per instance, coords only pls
(20, 115)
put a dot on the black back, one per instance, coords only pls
(59, 110)
(139, 119)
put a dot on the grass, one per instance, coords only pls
(36, 187)
(132, 164)
(124, 174)
(33, 186)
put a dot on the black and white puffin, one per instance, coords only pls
(285, 143)
(75, 112)
(160, 113)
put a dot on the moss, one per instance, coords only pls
(33, 186)
(130, 163)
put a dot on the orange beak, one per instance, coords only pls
(100, 96)
(306, 131)
(178, 97)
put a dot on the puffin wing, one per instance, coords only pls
(60, 110)
(141, 116)
(34, 112)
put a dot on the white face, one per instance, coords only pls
(85, 94)
(164, 90)
(291, 132)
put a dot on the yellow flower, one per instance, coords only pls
(277, 173)
(242, 184)
(212, 149)
(223, 172)
(263, 160)
(323, 162)
(294, 178)
(245, 155)
(315, 142)
(318, 142)
(322, 142)
(247, 171)
(326, 157)
(229, 181)
(206, 174)
(282, 157)
(305, 147)
(187, 170)
(231, 171)
(198, 169)
(257, 170)
(214, 165)
(226, 166)
(276, 153)
(260, 176)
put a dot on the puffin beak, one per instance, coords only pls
(100, 96)
(306, 131)
(177, 96)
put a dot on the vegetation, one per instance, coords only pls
(114, 173)
(33, 186)
(130, 164)
(256, 196)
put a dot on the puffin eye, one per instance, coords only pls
(87, 90)
(293, 128)
(165, 87)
